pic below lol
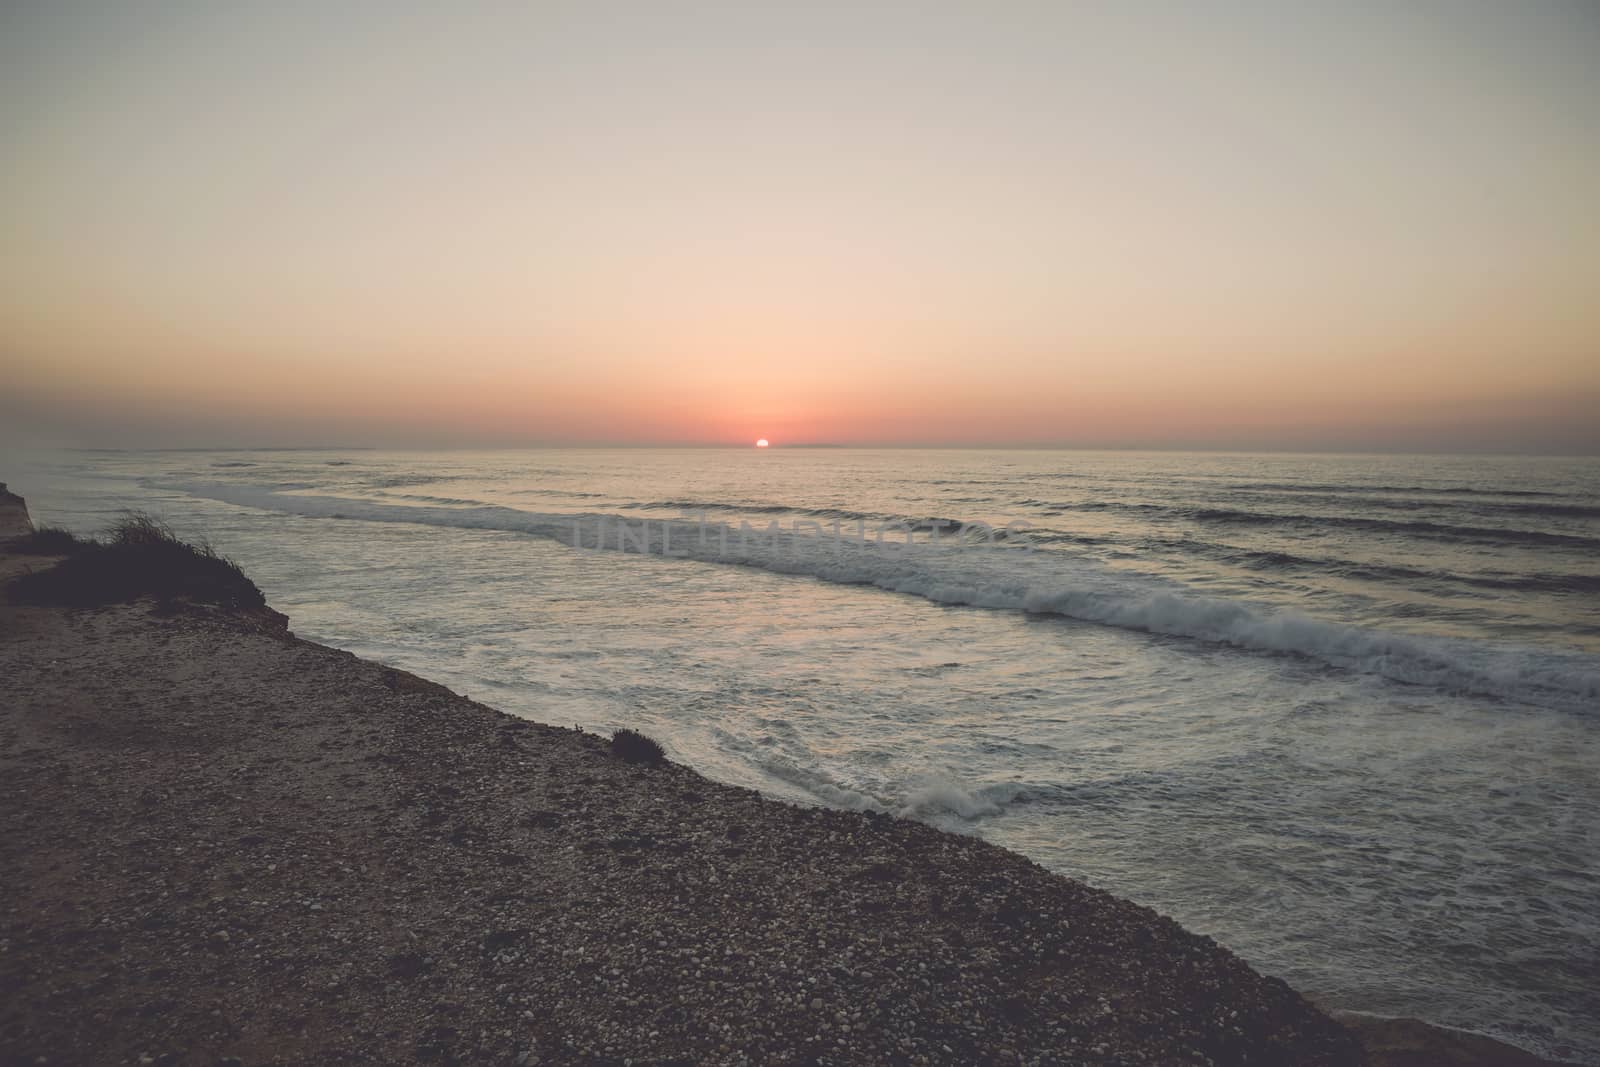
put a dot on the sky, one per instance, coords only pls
(1233, 225)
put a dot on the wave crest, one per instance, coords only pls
(1044, 582)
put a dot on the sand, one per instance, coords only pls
(222, 844)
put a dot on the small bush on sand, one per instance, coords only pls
(140, 557)
(634, 747)
(50, 541)
(138, 528)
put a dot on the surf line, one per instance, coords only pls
(699, 535)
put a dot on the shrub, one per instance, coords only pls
(140, 557)
(50, 541)
(138, 528)
(634, 747)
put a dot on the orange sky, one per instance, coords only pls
(890, 224)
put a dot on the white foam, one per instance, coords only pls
(939, 798)
(1044, 582)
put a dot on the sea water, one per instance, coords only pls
(1341, 713)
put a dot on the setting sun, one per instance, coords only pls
(761, 443)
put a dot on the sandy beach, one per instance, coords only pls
(226, 845)
(732, 533)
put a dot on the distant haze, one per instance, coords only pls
(1338, 226)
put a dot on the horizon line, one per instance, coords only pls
(830, 446)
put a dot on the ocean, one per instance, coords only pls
(1337, 712)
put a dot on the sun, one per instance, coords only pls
(761, 443)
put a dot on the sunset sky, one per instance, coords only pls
(1178, 225)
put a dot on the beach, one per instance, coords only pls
(1331, 711)
(800, 534)
(224, 844)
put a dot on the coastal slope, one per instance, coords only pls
(225, 844)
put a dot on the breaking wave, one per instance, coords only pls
(1046, 582)
(1429, 530)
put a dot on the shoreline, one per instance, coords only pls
(227, 844)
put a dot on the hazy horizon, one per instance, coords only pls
(1308, 228)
